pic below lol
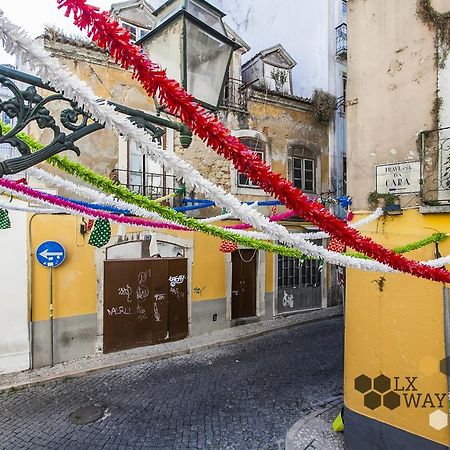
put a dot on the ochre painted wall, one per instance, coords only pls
(209, 268)
(74, 282)
(398, 331)
(75, 288)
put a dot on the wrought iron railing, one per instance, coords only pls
(341, 41)
(435, 166)
(152, 185)
(235, 95)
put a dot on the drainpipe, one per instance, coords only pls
(30, 291)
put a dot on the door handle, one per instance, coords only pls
(235, 292)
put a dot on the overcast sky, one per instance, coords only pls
(33, 15)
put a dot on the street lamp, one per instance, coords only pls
(190, 41)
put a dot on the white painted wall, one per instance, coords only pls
(14, 343)
(301, 26)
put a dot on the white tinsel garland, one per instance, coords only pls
(30, 52)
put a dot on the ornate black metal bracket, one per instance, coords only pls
(27, 106)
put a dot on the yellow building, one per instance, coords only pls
(397, 330)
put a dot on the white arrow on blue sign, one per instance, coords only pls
(50, 254)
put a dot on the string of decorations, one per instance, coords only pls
(102, 231)
(30, 52)
(110, 36)
(433, 239)
(29, 209)
(29, 194)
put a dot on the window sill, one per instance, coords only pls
(249, 191)
(443, 209)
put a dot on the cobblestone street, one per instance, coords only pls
(242, 396)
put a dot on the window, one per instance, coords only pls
(303, 174)
(135, 31)
(292, 272)
(258, 147)
(344, 7)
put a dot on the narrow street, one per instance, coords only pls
(244, 396)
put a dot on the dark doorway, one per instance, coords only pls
(243, 285)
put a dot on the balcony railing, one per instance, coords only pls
(340, 106)
(435, 167)
(152, 185)
(235, 95)
(341, 41)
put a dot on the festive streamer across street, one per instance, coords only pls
(109, 35)
(59, 182)
(28, 194)
(16, 41)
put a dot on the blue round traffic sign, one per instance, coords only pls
(50, 254)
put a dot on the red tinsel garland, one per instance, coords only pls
(108, 34)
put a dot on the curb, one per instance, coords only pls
(294, 431)
(159, 356)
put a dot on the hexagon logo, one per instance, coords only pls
(391, 400)
(445, 365)
(372, 400)
(438, 420)
(382, 384)
(428, 366)
(363, 384)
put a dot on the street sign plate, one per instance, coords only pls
(50, 254)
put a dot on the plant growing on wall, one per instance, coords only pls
(324, 105)
(375, 197)
(280, 77)
(441, 23)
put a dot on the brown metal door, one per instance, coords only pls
(178, 316)
(135, 311)
(243, 291)
(159, 300)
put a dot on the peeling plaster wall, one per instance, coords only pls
(391, 88)
(100, 150)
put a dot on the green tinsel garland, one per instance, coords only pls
(108, 186)
(436, 237)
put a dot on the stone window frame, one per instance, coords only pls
(256, 191)
(306, 150)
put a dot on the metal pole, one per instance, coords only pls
(51, 313)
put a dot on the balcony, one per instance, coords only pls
(341, 42)
(435, 166)
(235, 95)
(151, 185)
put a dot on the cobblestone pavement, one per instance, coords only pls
(242, 396)
(315, 432)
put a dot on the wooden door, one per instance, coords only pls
(243, 290)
